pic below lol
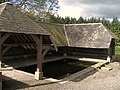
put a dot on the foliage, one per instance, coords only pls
(117, 50)
(2, 1)
(41, 9)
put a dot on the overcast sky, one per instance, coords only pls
(89, 8)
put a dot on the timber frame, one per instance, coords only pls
(18, 30)
(37, 44)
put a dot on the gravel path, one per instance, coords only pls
(101, 80)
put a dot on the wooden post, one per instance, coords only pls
(41, 52)
(109, 55)
(2, 39)
(40, 58)
(0, 51)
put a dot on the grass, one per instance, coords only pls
(117, 50)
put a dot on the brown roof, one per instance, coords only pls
(13, 20)
(57, 32)
(91, 35)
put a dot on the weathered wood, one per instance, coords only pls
(0, 51)
(6, 49)
(109, 55)
(85, 59)
(84, 71)
(15, 45)
(23, 39)
(3, 38)
(26, 37)
(66, 35)
(35, 38)
(12, 45)
(106, 68)
(46, 49)
(54, 58)
(40, 57)
(31, 39)
(6, 69)
(18, 38)
(53, 43)
(32, 61)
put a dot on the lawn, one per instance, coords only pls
(117, 50)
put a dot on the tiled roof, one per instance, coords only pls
(13, 20)
(91, 35)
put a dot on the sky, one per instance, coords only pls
(89, 8)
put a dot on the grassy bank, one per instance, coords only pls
(117, 50)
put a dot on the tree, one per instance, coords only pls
(41, 9)
(81, 20)
(115, 27)
(2, 1)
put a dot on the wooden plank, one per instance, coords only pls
(85, 59)
(6, 69)
(51, 59)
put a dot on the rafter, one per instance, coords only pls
(6, 49)
(3, 38)
(35, 38)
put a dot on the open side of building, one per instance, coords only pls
(18, 32)
(92, 40)
(21, 37)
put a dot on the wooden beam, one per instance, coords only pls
(46, 50)
(17, 36)
(68, 42)
(53, 43)
(3, 38)
(12, 45)
(6, 49)
(31, 39)
(109, 55)
(35, 38)
(26, 37)
(83, 72)
(0, 50)
(6, 69)
(23, 39)
(40, 58)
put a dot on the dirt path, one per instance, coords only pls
(101, 80)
